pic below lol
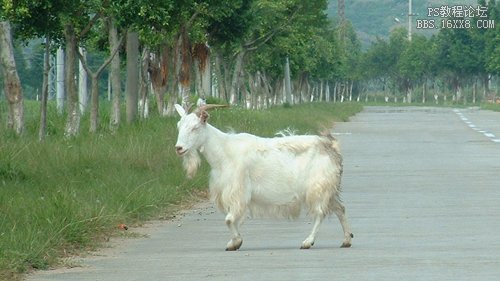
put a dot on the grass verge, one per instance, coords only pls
(491, 106)
(64, 196)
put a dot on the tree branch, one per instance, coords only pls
(113, 54)
(103, 66)
(256, 43)
(84, 62)
(189, 23)
(90, 24)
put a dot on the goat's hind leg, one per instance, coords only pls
(233, 223)
(340, 212)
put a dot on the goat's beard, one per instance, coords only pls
(191, 161)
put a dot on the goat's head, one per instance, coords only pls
(192, 128)
(192, 135)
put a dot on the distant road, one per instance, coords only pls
(422, 191)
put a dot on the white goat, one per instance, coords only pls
(267, 176)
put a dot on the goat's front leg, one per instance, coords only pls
(309, 242)
(233, 223)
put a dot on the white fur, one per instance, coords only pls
(273, 177)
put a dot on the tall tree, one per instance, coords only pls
(73, 120)
(12, 84)
(114, 74)
(94, 77)
(492, 38)
(35, 19)
(415, 62)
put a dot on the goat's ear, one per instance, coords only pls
(204, 116)
(180, 110)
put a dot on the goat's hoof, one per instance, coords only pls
(232, 248)
(306, 245)
(234, 244)
(346, 244)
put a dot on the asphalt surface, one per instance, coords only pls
(421, 190)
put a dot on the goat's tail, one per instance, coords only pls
(332, 147)
(331, 140)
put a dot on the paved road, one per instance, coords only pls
(422, 190)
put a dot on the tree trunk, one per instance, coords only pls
(335, 92)
(350, 90)
(73, 118)
(157, 64)
(202, 56)
(486, 85)
(221, 78)
(183, 66)
(94, 99)
(252, 82)
(60, 85)
(132, 85)
(82, 84)
(235, 81)
(288, 85)
(267, 90)
(114, 121)
(12, 84)
(474, 90)
(424, 90)
(144, 83)
(94, 96)
(327, 92)
(321, 90)
(45, 91)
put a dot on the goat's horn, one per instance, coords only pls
(188, 107)
(206, 107)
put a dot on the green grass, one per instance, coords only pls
(65, 196)
(491, 106)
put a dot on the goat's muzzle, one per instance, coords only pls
(180, 150)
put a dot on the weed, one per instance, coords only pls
(62, 196)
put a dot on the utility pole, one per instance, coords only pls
(341, 11)
(410, 14)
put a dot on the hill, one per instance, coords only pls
(372, 18)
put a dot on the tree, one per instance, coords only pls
(73, 120)
(12, 84)
(458, 59)
(94, 77)
(492, 38)
(35, 19)
(415, 62)
(277, 30)
(114, 74)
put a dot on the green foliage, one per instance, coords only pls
(491, 55)
(452, 60)
(228, 23)
(304, 34)
(417, 60)
(63, 196)
(374, 19)
(152, 18)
